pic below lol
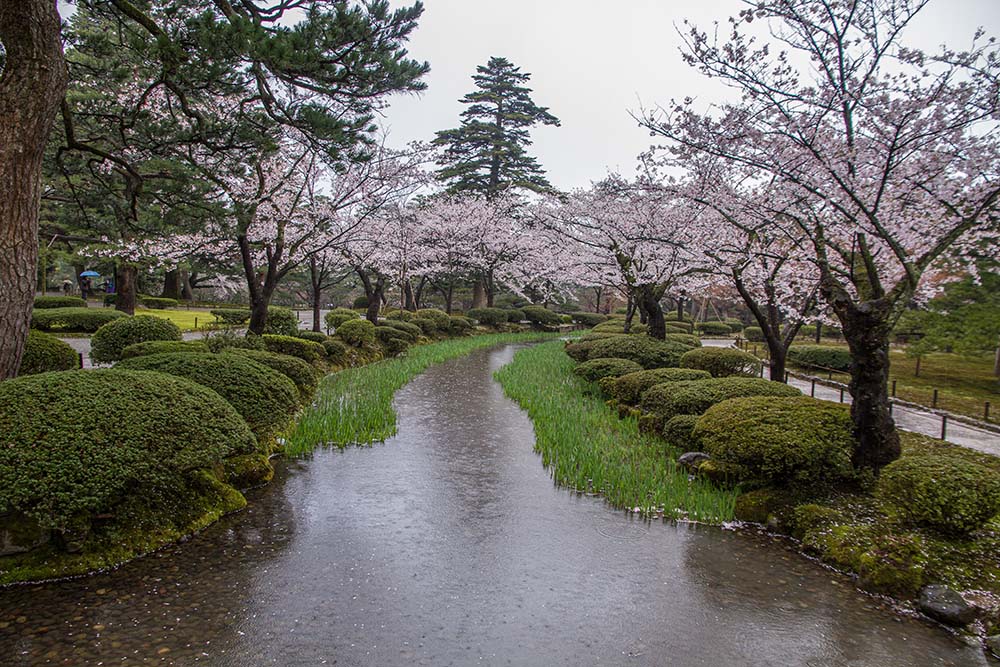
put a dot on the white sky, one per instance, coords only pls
(591, 62)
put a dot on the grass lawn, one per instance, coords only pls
(187, 320)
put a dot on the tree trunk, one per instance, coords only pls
(126, 289)
(491, 291)
(868, 338)
(187, 289)
(315, 290)
(258, 313)
(172, 285)
(374, 303)
(819, 332)
(449, 297)
(650, 304)
(778, 357)
(409, 303)
(479, 294)
(629, 313)
(31, 86)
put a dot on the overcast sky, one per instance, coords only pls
(591, 62)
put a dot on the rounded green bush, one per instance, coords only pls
(265, 398)
(824, 357)
(942, 492)
(223, 340)
(722, 361)
(412, 331)
(580, 351)
(780, 440)
(107, 343)
(595, 369)
(43, 353)
(440, 318)
(427, 326)
(684, 339)
(336, 351)
(714, 328)
(314, 336)
(645, 351)
(679, 327)
(679, 432)
(628, 389)
(735, 325)
(754, 334)
(397, 314)
(618, 326)
(588, 319)
(392, 340)
(303, 375)
(231, 316)
(541, 315)
(490, 317)
(459, 325)
(361, 302)
(294, 346)
(62, 465)
(281, 322)
(86, 320)
(693, 397)
(43, 302)
(338, 316)
(515, 315)
(161, 346)
(357, 332)
(157, 302)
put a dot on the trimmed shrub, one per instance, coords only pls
(588, 319)
(595, 369)
(338, 316)
(645, 351)
(618, 326)
(671, 316)
(397, 314)
(714, 328)
(515, 315)
(412, 330)
(265, 398)
(459, 325)
(361, 302)
(735, 325)
(821, 356)
(580, 352)
(541, 315)
(158, 302)
(336, 351)
(281, 322)
(722, 361)
(231, 316)
(679, 327)
(86, 320)
(357, 332)
(428, 327)
(61, 465)
(684, 339)
(107, 343)
(43, 353)
(693, 397)
(43, 302)
(294, 346)
(392, 340)
(314, 336)
(303, 376)
(942, 492)
(162, 346)
(628, 389)
(679, 432)
(754, 334)
(223, 340)
(591, 335)
(440, 318)
(491, 317)
(780, 440)
(109, 299)
(566, 319)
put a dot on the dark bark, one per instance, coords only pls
(629, 313)
(125, 297)
(409, 302)
(315, 290)
(374, 292)
(649, 300)
(172, 284)
(31, 86)
(187, 287)
(491, 290)
(819, 332)
(479, 294)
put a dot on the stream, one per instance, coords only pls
(450, 545)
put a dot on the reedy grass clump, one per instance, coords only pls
(354, 406)
(589, 448)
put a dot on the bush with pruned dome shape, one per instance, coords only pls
(596, 369)
(628, 389)
(722, 361)
(357, 333)
(44, 353)
(107, 343)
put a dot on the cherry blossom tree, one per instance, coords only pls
(894, 153)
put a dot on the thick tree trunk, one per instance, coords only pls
(629, 313)
(258, 313)
(819, 332)
(374, 304)
(479, 294)
(409, 302)
(187, 289)
(776, 365)
(126, 289)
(650, 304)
(172, 284)
(315, 290)
(31, 86)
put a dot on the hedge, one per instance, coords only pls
(735, 325)
(427, 326)
(541, 315)
(393, 341)
(595, 369)
(580, 351)
(314, 336)
(162, 346)
(361, 302)
(821, 356)
(515, 315)
(679, 327)
(61, 465)
(336, 351)
(157, 302)
(693, 397)
(780, 440)
(396, 314)
(753, 334)
(645, 351)
(231, 316)
(628, 389)
(714, 328)
(491, 317)
(281, 322)
(338, 316)
(411, 330)
(357, 332)
(684, 339)
(107, 343)
(43, 353)
(588, 319)
(223, 340)
(618, 326)
(679, 432)
(303, 376)
(942, 492)
(722, 361)
(86, 320)
(265, 398)
(459, 325)
(440, 318)
(43, 302)
(307, 350)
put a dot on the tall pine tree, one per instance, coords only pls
(486, 154)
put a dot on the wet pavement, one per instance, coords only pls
(450, 545)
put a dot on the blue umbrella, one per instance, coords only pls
(90, 274)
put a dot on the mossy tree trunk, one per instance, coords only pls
(31, 86)
(649, 303)
(126, 288)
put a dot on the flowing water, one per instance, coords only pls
(449, 545)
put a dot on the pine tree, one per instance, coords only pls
(487, 153)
